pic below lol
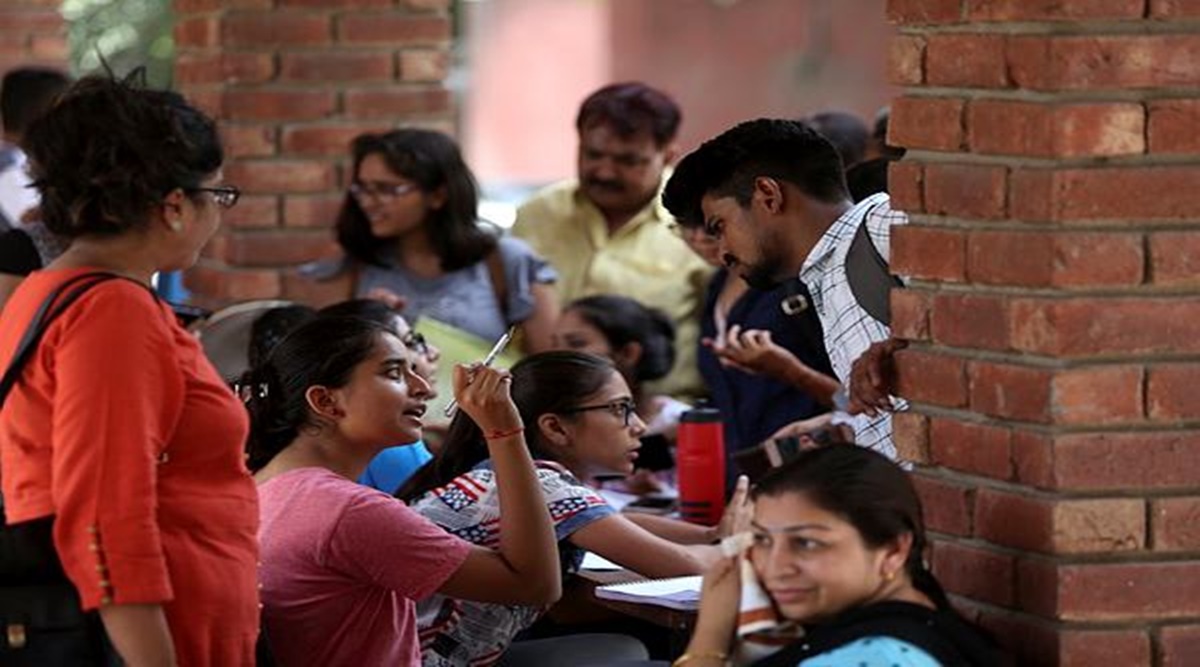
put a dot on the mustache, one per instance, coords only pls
(615, 186)
(729, 260)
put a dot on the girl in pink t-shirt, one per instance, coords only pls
(342, 564)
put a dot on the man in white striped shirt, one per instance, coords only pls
(773, 194)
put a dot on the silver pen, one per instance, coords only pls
(501, 343)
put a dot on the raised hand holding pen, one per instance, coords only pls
(501, 343)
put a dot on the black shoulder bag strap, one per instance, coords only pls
(869, 275)
(55, 304)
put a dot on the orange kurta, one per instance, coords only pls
(122, 429)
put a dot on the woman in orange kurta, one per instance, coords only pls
(119, 427)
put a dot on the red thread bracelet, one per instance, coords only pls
(496, 435)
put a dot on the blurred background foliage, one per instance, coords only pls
(126, 33)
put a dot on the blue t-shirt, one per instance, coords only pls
(393, 466)
(878, 651)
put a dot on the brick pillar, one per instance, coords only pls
(32, 32)
(292, 81)
(1054, 183)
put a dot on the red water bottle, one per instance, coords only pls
(700, 465)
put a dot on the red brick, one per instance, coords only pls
(1105, 326)
(1176, 524)
(1053, 10)
(325, 139)
(198, 32)
(1179, 644)
(253, 211)
(377, 102)
(973, 448)
(1102, 592)
(910, 314)
(1010, 391)
(1066, 130)
(1069, 62)
(392, 29)
(1174, 9)
(976, 321)
(1173, 126)
(224, 285)
(327, 66)
(906, 60)
(966, 61)
(1037, 588)
(49, 47)
(977, 573)
(931, 378)
(1172, 392)
(274, 28)
(279, 176)
(1033, 458)
(1098, 259)
(210, 101)
(1097, 395)
(30, 20)
(277, 248)
(920, 12)
(249, 140)
(1175, 259)
(930, 253)
(966, 190)
(905, 185)
(948, 507)
(1115, 461)
(1136, 193)
(423, 65)
(261, 104)
(427, 5)
(312, 210)
(910, 431)
(1060, 526)
(185, 6)
(224, 67)
(1088, 648)
(933, 123)
(1024, 259)
(1031, 641)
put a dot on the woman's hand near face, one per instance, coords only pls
(720, 596)
(739, 511)
(483, 393)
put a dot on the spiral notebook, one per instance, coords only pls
(682, 593)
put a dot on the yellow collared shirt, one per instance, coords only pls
(643, 260)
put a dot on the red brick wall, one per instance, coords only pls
(292, 81)
(1052, 180)
(32, 33)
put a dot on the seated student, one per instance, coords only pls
(342, 564)
(393, 466)
(582, 423)
(838, 546)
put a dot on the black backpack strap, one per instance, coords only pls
(52, 307)
(869, 275)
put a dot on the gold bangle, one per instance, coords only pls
(702, 655)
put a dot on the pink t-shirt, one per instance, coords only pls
(341, 567)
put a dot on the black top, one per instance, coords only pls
(941, 633)
(18, 255)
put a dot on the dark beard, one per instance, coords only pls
(762, 276)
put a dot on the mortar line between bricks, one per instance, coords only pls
(1130, 226)
(1140, 292)
(1149, 625)
(1051, 429)
(1084, 558)
(1140, 160)
(1131, 27)
(1080, 96)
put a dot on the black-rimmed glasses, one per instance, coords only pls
(623, 408)
(226, 196)
(415, 342)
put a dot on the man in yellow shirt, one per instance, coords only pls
(607, 232)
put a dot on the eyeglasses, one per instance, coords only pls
(380, 190)
(415, 342)
(623, 408)
(226, 196)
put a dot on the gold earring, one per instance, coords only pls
(176, 225)
(889, 577)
